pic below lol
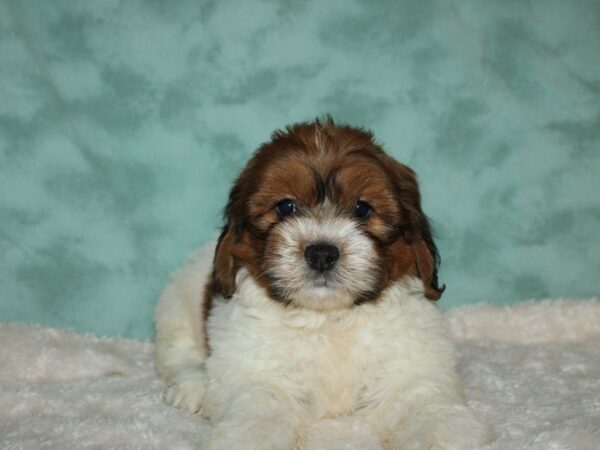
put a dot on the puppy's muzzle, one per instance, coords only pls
(321, 257)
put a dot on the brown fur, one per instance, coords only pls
(309, 162)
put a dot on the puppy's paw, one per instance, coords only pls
(342, 433)
(244, 433)
(461, 429)
(187, 390)
(451, 428)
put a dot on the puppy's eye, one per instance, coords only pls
(362, 209)
(286, 207)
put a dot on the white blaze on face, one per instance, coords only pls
(354, 274)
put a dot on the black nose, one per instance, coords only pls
(321, 257)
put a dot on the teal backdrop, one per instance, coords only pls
(123, 123)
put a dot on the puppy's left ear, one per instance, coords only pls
(426, 259)
(420, 255)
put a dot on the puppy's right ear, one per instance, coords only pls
(224, 265)
(232, 251)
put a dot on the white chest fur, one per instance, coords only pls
(328, 364)
(273, 371)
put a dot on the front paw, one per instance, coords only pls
(251, 434)
(341, 433)
(450, 428)
(461, 430)
(187, 390)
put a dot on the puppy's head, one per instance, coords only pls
(323, 219)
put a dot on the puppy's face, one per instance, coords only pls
(323, 219)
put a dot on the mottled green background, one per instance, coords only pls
(122, 124)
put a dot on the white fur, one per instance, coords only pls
(531, 369)
(274, 370)
(180, 340)
(352, 275)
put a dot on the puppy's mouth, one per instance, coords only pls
(318, 290)
(321, 282)
(324, 282)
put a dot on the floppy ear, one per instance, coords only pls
(224, 265)
(422, 259)
(426, 259)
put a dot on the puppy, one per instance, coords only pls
(317, 304)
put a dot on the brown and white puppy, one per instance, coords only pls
(317, 304)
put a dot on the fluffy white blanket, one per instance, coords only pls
(532, 370)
